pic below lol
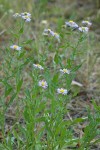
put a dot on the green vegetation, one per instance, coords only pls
(41, 59)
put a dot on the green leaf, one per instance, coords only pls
(78, 120)
(27, 92)
(21, 55)
(11, 100)
(28, 41)
(55, 78)
(8, 89)
(57, 58)
(16, 35)
(97, 108)
(69, 62)
(1, 80)
(19, 85)
(76, 68)
(38, 147)
(26, 115)
(21, 30)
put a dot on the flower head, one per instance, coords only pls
(38, 66)
(71, 24)
(46, 31)
(43, 84)
(83, 29)
(15, 47)
(56, 35)
(52, 33)
(26, 18)
(87, 23)
(44, 22)
(16, 15)
(26, 14)
(65, 71)
(62, 91)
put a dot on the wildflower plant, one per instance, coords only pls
(41, 97)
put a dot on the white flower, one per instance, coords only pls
(62, 91)
(38, 66)
(71, 24)
(15, 47)
(26, 14)
(83, 29)
(56, 35)
(65, 71)
(26, 18)
(52, 33)
(44, 22)
(16, 15)
(87, 23)
(46, 31)
(43, 84)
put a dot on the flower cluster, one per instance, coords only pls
(26, 16)
(74, 25)
(52, 33)
(43, 83)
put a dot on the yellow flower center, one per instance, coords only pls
(83, 28)
(62, 90)
(86, 21)
(26, 17)
(65, 70)
(15, 46)
(56, 33)
(43, 83)
(38, 65)
(49, 30)
(71, 21)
